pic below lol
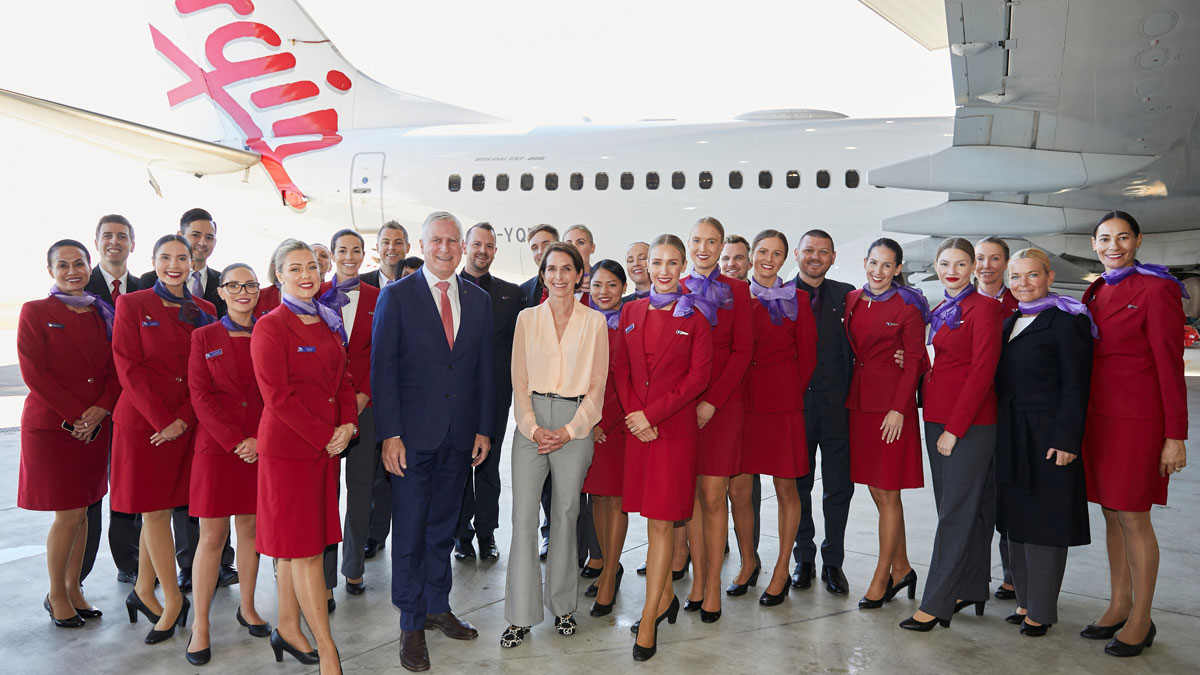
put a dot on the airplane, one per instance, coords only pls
(1061, 116)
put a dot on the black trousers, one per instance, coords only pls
(826, 425)
(480, 515)
(123, 532)
(187, 538)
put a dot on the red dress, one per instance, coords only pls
(774, 442)
(605, 477)
(733, 340)
(960, 391)
(268, 299)
(305, 383)
(664, 364)
(875, 331)
(66, 361)
(150, 349)
(228, 407)
(1139, 398)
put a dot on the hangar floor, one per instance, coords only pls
(813, 631)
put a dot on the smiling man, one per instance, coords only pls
(540, 238)
(392, 244)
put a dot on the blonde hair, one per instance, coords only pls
(1032, 254)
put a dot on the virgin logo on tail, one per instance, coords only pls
(223, 73)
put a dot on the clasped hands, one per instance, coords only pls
(169, 433)
(640, 427)
(247, 450)
(82, 428)
(549, 441)
(341, 438)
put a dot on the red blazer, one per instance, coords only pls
(227, 410)
(733, 342)
(878, 384)
(784, 358)
(65, 373)
(359, 349)
(612, 417)
(1137, 363)
(268, 299)
(961, 388)
(150, 349)
(305, 385)
(666, 390)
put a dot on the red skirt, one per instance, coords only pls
(146, 477)
(775, 444)
(606, 475)
(223, 485)
(721, 441)
(885, 466)
(297, 506)
(59, 473)
(1120, 461)
(660, 478)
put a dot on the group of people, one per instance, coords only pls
(663, 387)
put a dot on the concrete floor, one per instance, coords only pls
(813, 631)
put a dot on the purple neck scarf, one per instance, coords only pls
(332, 318)
(1114, 277)
(88, 299)
(231, 325)
(336, 297)
(717, 292)
(189, 311)
(685, 304)
(948, 315)
(780, 299)
(910, 295)
(1063, 302)
(611, 316)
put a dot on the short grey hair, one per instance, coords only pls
(283, 250)
(427, 226)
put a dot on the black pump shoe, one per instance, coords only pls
(155, 636)
(770, 600)
(256, 629)
(1029, 630)
(641, 653)
(1015, 619)
(591, 572)
(1094, 632)
(198, 658)
(690, 605)
(74, 621)
(736, 589)
(909, 581)
(1003, 593)
(1117, 648)
(963, 604)
(670, 615)
(593, 588)
(676, 575)
(134, 604)
(89, 612)
(868, 603)
(923, 626)
(279, 646)
(710, 617)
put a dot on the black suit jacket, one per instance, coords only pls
(370, 278)
(835, 294)
(531, 292)
(210, 288)
(96, 284)
(507, 303)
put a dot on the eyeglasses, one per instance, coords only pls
(236, 287)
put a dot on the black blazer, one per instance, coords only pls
(210, 288)
(531, 292)
(507, 303)
(96, 284)
(370, 278)
(835, 292)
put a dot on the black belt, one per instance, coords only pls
(577, 399)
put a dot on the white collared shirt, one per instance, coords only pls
(350, 310)
(384, 279)
(108, 279)
(455, 310)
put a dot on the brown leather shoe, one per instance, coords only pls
(414, 655)
(454, 627)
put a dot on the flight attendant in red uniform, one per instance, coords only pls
(885, 444)
(665, 357)
(1136, 423)
(719, 415)
(308, 420)
(224, 471)
(784, 355)
(66, 361)
(605, 478)
(153, 422)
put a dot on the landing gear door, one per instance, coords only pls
(366, 191)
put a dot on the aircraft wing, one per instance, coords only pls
(1066, 109)
(153, 146)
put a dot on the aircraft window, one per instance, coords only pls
(601, 181)
(822, 179)
(651, 180)
(455, 182)
(576, 181)
(527, 181)
(793, 179)
(705, 180)
(765, 180)
(678, 180)
(626, 181)
(551, 181)
(735, 180)
(501, 182)
(852, 179)
(478, 182)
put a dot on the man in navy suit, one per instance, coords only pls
(433, 384)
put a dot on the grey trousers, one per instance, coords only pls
(363, 467)
(1037, 572)
(961, 564)
(524, 597)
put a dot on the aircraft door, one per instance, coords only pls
(366, 191)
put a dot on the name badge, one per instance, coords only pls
(682, 332)
(629, 327)
(150, 323)
(1132, 307)
(55, 325)
(306, 350)
(889, 323)
(212, 354)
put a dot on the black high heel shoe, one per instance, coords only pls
(75, 621)
(709, 617)
(1015, 619)
(671, 615)
(1117, 648)
(641, 653)
(909, 581)
(256, 629)
(600, 609)
(197, 658)
(676, 575)
(690, 605)
(769, 600)
(911, 623)
(89, 612)
(1095, 632)
(736, 589)
(1030, 630)
(279, 646)
(963, 604)
(868, 603)
(134, 604)
(155, 636)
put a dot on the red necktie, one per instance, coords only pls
(447, 315)
(116, 291)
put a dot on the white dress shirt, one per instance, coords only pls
(108, 279)
(349, 311)
(455, 310)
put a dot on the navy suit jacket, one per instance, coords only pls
(97, 285)
(422, 390)
(531, 291)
